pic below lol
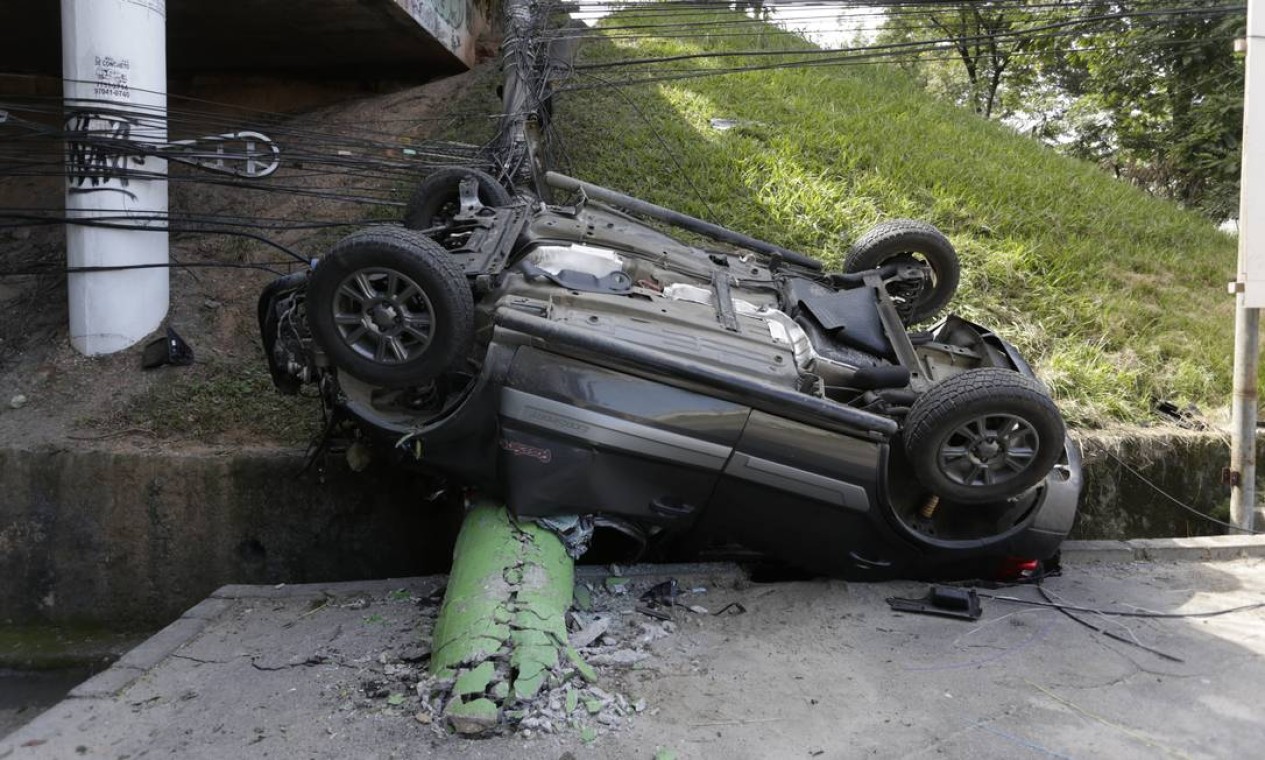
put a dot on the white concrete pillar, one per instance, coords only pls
(114, 62)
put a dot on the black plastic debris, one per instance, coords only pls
(945, 601)
(575, 532)
(658, 598)
(653, 612)
(1189, 416)
(662, 594)
(169, 350)
(733, 608)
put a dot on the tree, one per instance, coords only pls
(1155, 97)
(986, 42)
(974, 30)
(1168, 98)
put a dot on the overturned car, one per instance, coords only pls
(574, 360)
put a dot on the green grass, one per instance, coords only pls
(217, 402)
(1115, 296)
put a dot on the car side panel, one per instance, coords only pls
(794, 490)
(579, 439)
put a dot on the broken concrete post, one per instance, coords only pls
(501, 633)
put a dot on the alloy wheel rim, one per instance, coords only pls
(383, 315)
(988, 450)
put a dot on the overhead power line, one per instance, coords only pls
(915, 44)
(654, 76)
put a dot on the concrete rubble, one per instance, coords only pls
(504, 656)
(611, 636)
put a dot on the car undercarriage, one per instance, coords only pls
(687, 390)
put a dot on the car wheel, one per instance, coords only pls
(905, 241)
(391, 307)
(983, 436)
(437, 198)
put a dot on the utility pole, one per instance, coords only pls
(114, 69)
(1249, 288)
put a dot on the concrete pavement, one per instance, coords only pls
(810, 669)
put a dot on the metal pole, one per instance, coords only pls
(520, 140)
(638, 207)
(1250, 287)
(114, 68)
(1243, 414)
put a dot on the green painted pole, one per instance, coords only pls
(501, 634)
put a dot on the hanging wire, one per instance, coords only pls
(358, 165)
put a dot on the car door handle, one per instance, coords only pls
(670, 506)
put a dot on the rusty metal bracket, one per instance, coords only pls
(895, 330)
(469, 192)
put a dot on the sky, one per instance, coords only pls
(826, 24)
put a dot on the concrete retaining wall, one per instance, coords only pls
(136, 538)
(1117, 504)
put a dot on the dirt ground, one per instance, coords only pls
(50, 395)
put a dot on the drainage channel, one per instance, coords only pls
(39, 665)
(26, 693)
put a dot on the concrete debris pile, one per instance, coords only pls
(610, 635)
(518, 645)
(501, 637)
(510, 654)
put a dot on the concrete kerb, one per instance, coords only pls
(420, 586)
(107, 683)
(149, 653)
(1195, 549)
(82, 701)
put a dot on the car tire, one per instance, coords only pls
(437, 198)
(983, 436)
(908, 241)
(391, 307)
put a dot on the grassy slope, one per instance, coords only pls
(1117, 297)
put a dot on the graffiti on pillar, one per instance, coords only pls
(452, 11)
(101, 153)
(447, 20)
(112, 78)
